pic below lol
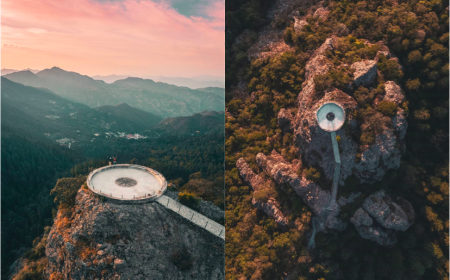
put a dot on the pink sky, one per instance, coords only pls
(130, 37)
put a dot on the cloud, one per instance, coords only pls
(121, 37)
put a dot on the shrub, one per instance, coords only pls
(387, 108)
(414, 56)
(334, 78)
(413, 85)
(389, 68)
(188, 199)
(66, 190)
(288, 35)
(262, 195)
(234, 105)
(363, 96)
(422, 114)
(312, 174)
(367, 138)
(435, 198)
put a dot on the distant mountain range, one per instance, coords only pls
(200, 123)
(40, 114)
(158, 98)
(6, 71)
(193, 83)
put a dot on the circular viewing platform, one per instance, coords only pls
(127, 182)
(330, 116)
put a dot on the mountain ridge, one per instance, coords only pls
(158, 98)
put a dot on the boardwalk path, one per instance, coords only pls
(193, 216)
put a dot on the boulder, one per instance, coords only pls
(365, 72)
(380, 218)
(386, 212)
(361, 218)
(376, 159)
(299, 24)
(271, 210)
(393, 93)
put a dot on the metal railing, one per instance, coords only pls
(193, 216)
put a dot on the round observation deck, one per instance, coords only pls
(330, 116)
(127, 182)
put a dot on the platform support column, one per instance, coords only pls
(337, 168)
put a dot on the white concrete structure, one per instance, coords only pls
(193, 216)
(127, 182)
(331, 117)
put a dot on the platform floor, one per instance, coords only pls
(105, 182)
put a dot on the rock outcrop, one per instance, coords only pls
(284, 173)
(103, 240)
(299, 23)
(270, 206)
(365, 72)
(314, 144)
(380, 218)
(400, 124)
(393, 93)
(320, 12)
(388, 213)
(379, 157)
(285, 119)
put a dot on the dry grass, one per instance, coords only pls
(56, 276)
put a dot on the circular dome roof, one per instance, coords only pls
(330, 116)
(127, 182)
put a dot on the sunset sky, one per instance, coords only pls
(130, 37)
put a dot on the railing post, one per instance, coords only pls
(220, 232)
(192, 215)
(206, 224)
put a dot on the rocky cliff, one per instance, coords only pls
(103, 240)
